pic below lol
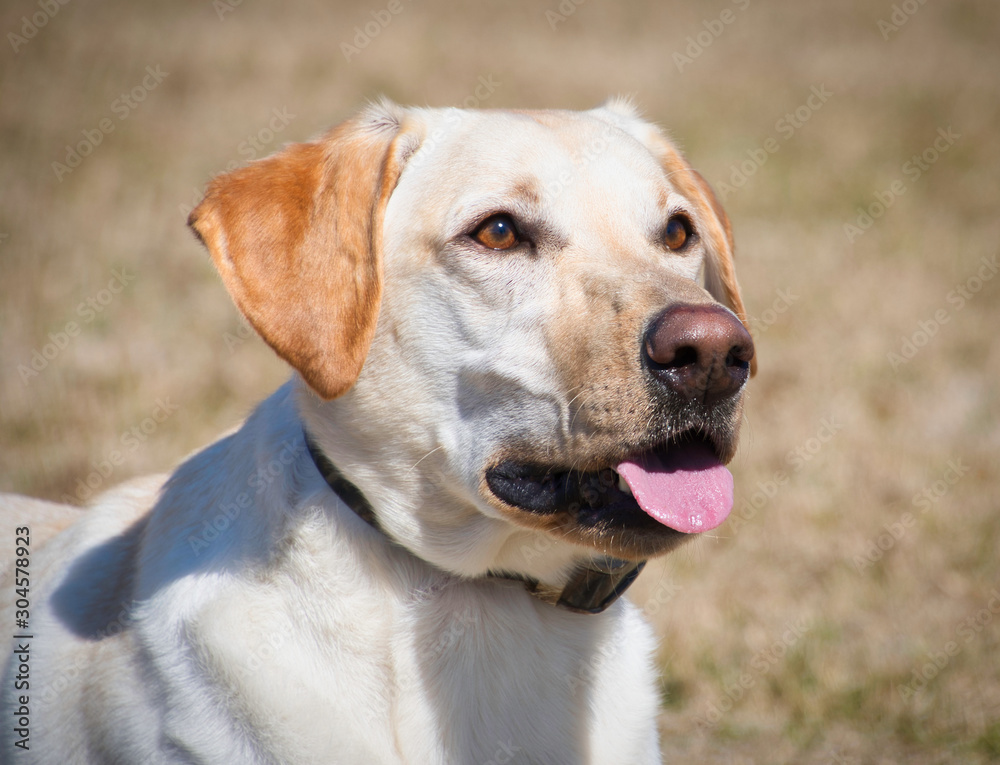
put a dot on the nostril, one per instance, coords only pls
(739, 356)
(676, 358)
(699, 352)
(684, 356)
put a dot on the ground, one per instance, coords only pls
(849, 611)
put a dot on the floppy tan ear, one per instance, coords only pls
(720, 268)
(297, 240)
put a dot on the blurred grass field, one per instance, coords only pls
(849, 612)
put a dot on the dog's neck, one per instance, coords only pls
(591, 588)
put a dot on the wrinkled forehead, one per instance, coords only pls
(565, 162)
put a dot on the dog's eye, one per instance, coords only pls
(497, 232)
(677, 233)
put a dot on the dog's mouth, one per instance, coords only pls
(680, 485)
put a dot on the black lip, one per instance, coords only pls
(591, 498)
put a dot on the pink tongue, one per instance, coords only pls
(685, 488)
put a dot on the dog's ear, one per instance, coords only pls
(720, 269)
(297, 238)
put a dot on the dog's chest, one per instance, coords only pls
(494, 677)
(462, 673)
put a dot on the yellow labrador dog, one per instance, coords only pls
(520, 356)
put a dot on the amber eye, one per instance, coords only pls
(497, 232)
(677, 233)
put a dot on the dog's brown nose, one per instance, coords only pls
(700, 352)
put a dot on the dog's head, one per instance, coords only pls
(521, 332)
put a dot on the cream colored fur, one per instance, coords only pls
(236, 612)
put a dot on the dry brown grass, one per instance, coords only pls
(832, 695)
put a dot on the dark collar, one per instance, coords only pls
(590, 589)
